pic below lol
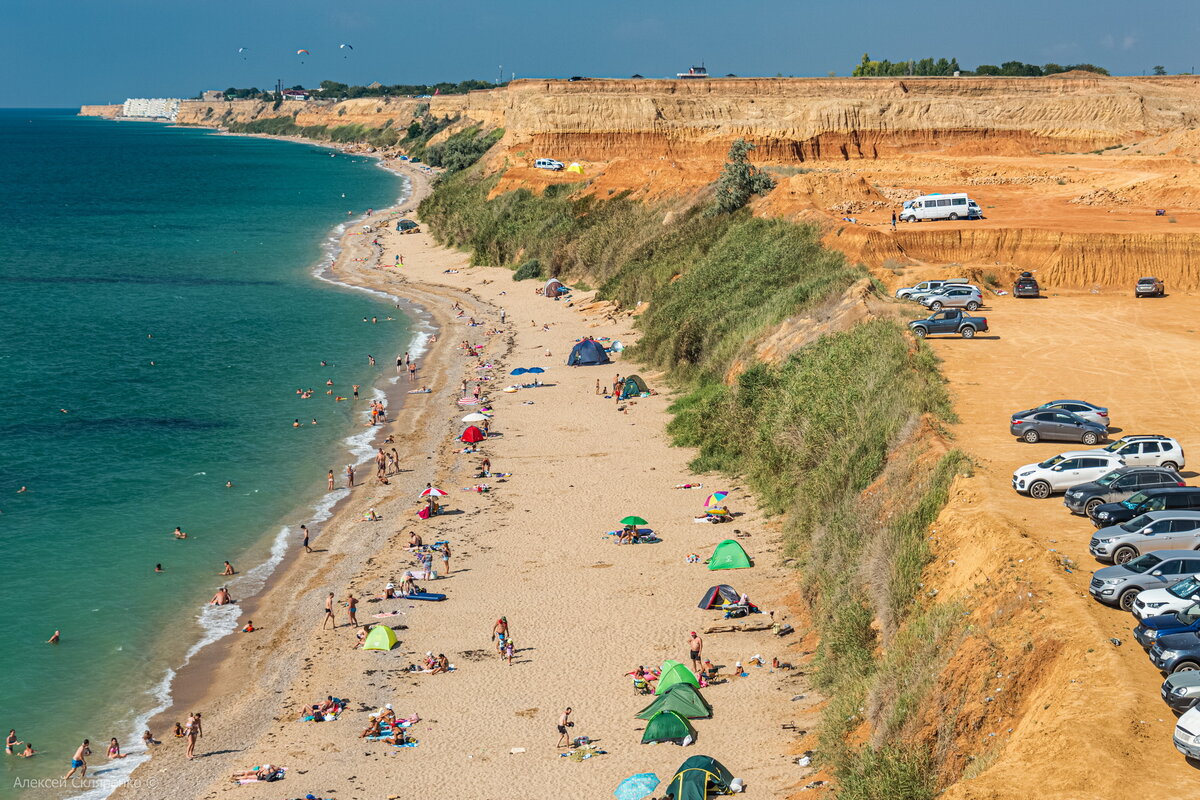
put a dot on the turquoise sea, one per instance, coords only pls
(160, 304)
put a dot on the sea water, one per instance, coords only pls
(161, 301)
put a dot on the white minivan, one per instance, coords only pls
(549, 163)
(940, 206)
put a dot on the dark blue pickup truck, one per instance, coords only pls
(950, 320)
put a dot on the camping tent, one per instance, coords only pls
(667, 726)
(682, 698)
(472, 435)
(381, 637)
(587, 353)
(672, 673)
(634, 385)
(728, 555)
(553, 288)
(719, 595)
(577, 168)
(696, 777)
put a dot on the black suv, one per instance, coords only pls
(1026, 286)
(1118, 485)
(1175, 498)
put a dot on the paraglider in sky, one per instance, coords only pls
(302, 53)
(241, 52)
(345, 47)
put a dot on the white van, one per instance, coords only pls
(940, 206)
(549, 163)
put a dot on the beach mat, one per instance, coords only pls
(425, 596)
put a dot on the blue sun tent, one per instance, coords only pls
(587, 353)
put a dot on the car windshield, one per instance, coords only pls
(1143, 563)
(1114, 447)
(1109, 478)
(1136, 500)
(1186, 587)
(1188, 615)
(1050, 462)
(1137, 523)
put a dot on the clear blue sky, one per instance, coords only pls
(67, 52)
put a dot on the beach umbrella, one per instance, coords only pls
(535, 370)
(472, 435)
(635, 787)
(475, 416)
(519, 371)
(715, 499)
(633, 520)
(433, 491)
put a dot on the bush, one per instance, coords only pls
(740, 180)
(530, 269)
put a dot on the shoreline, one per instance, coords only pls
(294, 662)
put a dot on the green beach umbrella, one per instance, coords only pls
(633, 520)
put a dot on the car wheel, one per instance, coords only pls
(1090, 505)
(972, 306)
(936, 305)
(953, 216)
(968, 333)
(1125, 601)
(1039, 490)
(1170, 465)
(1185, 666)
(1031, 436)
(1090, 438)
(919, 332)
(1124, 555)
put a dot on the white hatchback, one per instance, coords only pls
(1177, 597)
(1148, 451)
(1063, 471)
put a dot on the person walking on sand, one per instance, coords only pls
(349, 476)
(696, 650)
(304, 532)
(893, 220)
(331, 480)
(564, 722)
(329, 612)
(352, 602)
(500, 633)
(79, 760)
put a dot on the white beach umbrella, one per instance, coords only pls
(475, 416)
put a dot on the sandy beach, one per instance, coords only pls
(582, 610)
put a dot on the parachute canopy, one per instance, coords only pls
(345, 47)
(303, 53)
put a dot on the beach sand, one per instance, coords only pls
(583, 611)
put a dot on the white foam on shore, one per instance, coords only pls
(217, 622)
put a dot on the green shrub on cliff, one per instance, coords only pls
(740, 180)
(530, 269)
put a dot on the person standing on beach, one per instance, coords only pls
(356, 391)
(503, 316)
(304, 531)
(349, 476)
(79, 760)
(412, 372)
(330, 480)
(445, 558)
(564, 722)
(352, 602)
(695, 651)
(329, 612)
(191, 732)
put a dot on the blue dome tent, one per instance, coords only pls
(587, 353)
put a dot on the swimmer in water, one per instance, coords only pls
(229, 570)
(179, 534)
(22, 490)
(54, 639)
(158, 568)
(295, 423)
(228, 484)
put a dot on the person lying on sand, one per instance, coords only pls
(266, 772)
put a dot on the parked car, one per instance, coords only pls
(1089, 411)
(1026, 286)
(1120, 484)
(1063, 471)
(1120, 584)
(550, 164)
(1168, 498)
(1176, 653)
(1187, 733)
(1178, 530)
(1149, 287)
(920, 297)
(1034, 424)
(1150, 628)
(1176, 597)
(1181, 690)
(925, 287)
(951, 320)
(1149, 451)
(966, 297)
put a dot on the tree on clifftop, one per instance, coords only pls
(740, 180)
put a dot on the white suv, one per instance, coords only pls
(1063, 471)
(1148, 451)
(1156, 602)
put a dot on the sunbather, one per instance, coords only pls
(266, 772)
(372, 728)
(443, 664)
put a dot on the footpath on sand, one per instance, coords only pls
(582, 610)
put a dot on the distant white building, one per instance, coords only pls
(153, 108)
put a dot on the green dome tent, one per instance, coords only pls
(682, 698)
(634, 386)
(729, 555)
(696, 776)
(381, 637)
(672, 673)
(667, 726)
